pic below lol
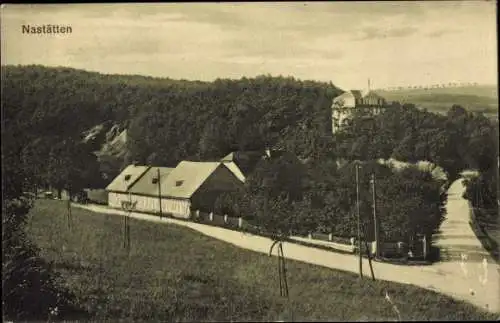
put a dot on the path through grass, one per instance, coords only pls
(175, 274)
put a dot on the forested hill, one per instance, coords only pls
(55, 119)
(48, 111)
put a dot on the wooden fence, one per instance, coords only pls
(393, 249)
(218, 220)
(345, 244)
(330, 237)
(387, 249)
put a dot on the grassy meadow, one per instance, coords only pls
(175, 274)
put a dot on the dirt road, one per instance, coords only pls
(468, 280)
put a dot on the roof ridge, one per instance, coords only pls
(232, 163)
(138, 177)
(198, 162)
(209, 174)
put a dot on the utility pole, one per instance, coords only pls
(159, 193)
(375, 224)
(358, 220)
(69, 213)
(69, 208)
(126, 227)
(126, 207)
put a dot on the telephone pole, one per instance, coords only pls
(69, 208)
(159, 193)
(358, 220)
(375, 225)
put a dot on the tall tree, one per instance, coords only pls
(29, 286)
(214, 141)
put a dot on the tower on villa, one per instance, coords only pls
(345, 106)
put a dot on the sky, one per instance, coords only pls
(391, 43)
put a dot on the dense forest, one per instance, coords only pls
(284, 195)
(456, 141)
(47, 112)
(308, 183)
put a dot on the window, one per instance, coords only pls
(127, 177)
(178, 183)
(154, 180)
(346, 122)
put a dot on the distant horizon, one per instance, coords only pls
(395, 88)
(393, 43)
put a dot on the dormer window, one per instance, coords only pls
(178, 183)
(127, 177)
(154, 180)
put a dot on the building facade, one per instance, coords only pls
(346, 106)
(145, 193)
(173, 191)
(118, 189)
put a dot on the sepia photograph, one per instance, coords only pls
(250, 161)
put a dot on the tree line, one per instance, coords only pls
(47, 110)
(285, 195)
(456, 141)
(303, 188)
(31, 289)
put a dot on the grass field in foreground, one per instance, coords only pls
(175, 274)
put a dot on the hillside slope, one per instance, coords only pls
(165, 120)
(51, 114)
(175, 274)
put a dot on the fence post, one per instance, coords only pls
(197, 214)
(352, 241)
(211, 216)
(330, 237)
(240, 222)
(309, 235)
(424, 244)
(225, 218)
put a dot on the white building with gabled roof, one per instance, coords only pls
(118, 189)
(177, 191)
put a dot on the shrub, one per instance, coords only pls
(31, 289)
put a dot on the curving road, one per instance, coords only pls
(464, 279)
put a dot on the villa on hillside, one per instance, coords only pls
(348, 103)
